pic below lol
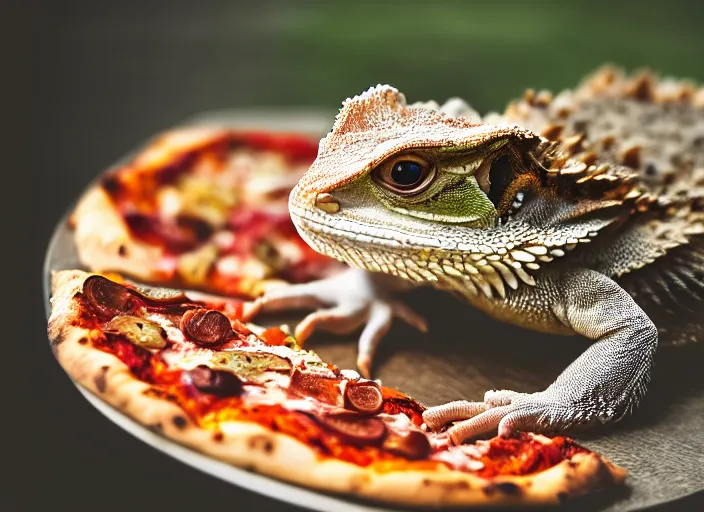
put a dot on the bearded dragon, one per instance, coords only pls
(575, 214)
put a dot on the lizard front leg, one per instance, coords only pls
(603, 384)
(343, 303)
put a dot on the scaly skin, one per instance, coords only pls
(585, 219)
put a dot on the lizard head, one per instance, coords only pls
(393, 180)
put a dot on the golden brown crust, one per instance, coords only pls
(104, 243)
(249, 445)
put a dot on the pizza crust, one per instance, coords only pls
(102, 238)
(104, 243)
(253, 447)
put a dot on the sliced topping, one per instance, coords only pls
(364, 397)
(193, 267)
(396, 402)
(206, 326)
(412, 445)
(324, 388)
(251, 366)
(209, 197)
(141, 332)
(106, 297)
(275, 336)
(216, 382)
(355, 429)
(178, 235)
(161, 296)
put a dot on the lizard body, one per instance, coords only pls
(579, 214)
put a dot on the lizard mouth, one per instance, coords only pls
(313, 227)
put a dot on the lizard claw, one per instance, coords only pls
(505, 411)
(343, 303)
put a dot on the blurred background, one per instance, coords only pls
(104, 76)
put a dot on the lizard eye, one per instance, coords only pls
(405, 174)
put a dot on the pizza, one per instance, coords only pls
(174, 244)
(185, 365)
(204, 208)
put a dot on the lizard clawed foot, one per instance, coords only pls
(507, 411)
(343, 303)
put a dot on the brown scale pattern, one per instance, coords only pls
(637, 139)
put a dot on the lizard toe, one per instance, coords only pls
(340, 319)
(342, 303)
(536, 412)
(440, 415)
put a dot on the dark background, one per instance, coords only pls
(85, 82)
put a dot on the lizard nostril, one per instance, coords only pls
(327, 203)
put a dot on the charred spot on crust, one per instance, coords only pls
(507, 488)
(153, 393)
(83, 340)
(111, 184)
(572, 464)
(460, 484)
(179, 422)
(122, 250)
(157, 428)
(218, 437)
(604, 474)
(261, 442)
(358, 482)
(99, 379)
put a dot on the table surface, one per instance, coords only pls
(466, 353)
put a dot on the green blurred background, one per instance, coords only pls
(485, 51)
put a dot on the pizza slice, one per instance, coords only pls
(203, 208)
(185, 365)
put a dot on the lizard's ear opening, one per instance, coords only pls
(500, 171)
(500, 176)
(495, 175)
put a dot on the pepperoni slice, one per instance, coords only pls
(215, 382)
(413, 445)
(206, 326)
(364, 397)
(355, 429)
(323, 388)
(106, 297)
